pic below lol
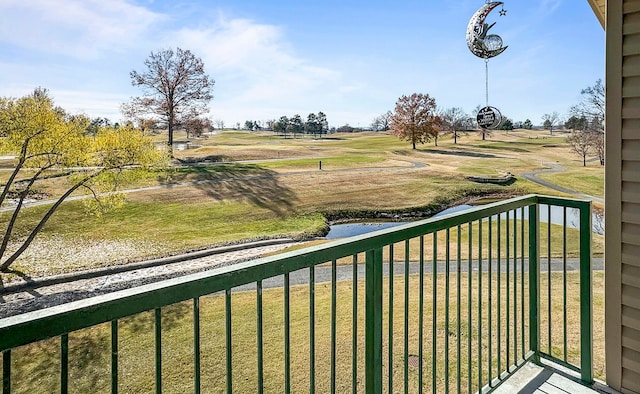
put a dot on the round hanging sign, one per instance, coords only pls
(489, 118)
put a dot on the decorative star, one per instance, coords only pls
(503, 12)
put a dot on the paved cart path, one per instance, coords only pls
(533, 177)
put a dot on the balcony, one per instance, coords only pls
(457, 303)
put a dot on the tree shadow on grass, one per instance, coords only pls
(452, 153)
(254, 184)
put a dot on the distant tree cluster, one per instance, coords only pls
(315, 125)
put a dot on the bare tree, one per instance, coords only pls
(415, 119)
(550, 120)
(581, 143)
(382, 122)
(591, 107)
(175, 88)
(454, 119)
(219, 123)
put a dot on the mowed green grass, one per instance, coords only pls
(36, 367)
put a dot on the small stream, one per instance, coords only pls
(345, 230)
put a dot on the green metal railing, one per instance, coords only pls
(455, 303)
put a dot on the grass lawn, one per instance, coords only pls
(36, 368)
(282, 192)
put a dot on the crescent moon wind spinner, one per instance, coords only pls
(486, 46)
(480, 43)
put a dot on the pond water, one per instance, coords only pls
(345, 230)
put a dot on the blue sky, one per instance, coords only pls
(349, 59)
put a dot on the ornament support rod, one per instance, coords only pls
(486, 80)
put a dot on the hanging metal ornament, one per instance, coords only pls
(480, 43)
(486, 46)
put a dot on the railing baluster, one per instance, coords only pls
(459, 307)
(489, 272)
(507, 346)
(287, 333)
(534, 282)
(6, 372)
(406, 316)
(196, 345)
(564, 280)
(480, 367)
(549, 277)
(522, 215)
(421, 314)
(499, 274)
(354, 332)
(312, 329)
(158, 351)
(114, 356)
(228, 333)
(259, 339)
(515, 287)
(391, 258)
(434, 319)
(446, 311)
(586, 295)
(469, 307)
(64, 363)
(333, 325)
(373, 325)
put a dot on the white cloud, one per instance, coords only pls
(78, 28)
(253, 63)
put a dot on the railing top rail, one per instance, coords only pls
(54, 321)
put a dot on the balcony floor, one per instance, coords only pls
(550, 379)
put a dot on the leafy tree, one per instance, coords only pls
(550, 120)
(311, 124)
(527, 124)
(576, 123)
(507, 124)
(296, 125)
(196, 126)
(316, 124)
(581, 142)
(175, 88)
(281, 126)
(249, 124)
(415, 119)
(323, 124)
(48, 142)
